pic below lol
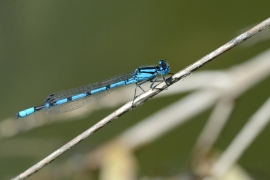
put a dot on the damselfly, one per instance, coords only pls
(71, 99)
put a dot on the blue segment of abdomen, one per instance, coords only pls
(61, 101)
(98, 90)
(78, 96)
(26, 112)
(121, 83)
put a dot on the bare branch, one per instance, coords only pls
(214, 125)
(242, 141)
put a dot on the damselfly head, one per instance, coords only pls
(163, 67)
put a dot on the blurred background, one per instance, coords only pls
(48, 46)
